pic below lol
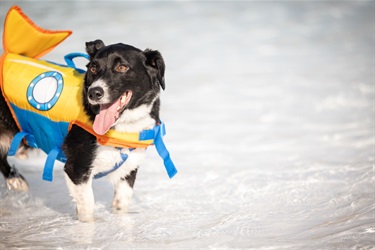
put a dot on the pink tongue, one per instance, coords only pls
(106, 118)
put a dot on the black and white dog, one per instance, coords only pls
(121, 92)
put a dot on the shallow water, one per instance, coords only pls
(269, 108)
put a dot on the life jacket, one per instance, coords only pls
(45, 98)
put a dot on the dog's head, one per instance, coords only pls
(120, 77)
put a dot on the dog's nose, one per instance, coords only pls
(96, 93)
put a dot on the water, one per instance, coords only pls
(269, 108)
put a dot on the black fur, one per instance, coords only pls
(143, 68)
(79, 148)
(144, 77)
(131, 177)
(93, 47)
(5, 168)
(155, 60)
(7, 122)
(8, 129)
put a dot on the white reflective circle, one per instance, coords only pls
(45, 89)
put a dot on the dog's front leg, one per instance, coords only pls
(83, 196)
(124, 193)
(79, 148)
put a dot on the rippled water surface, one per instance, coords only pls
(269, 108)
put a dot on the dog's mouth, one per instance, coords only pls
(109, 113)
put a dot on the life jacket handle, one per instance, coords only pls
(69, 60)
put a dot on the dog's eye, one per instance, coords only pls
(121, 68)
(93, 69)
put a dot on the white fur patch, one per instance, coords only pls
(107, 157)
(83, 196)
(122, 198)
(5, 140)
(136, 120)
(102, 84)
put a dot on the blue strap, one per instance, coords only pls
(50, 162)
(52, 155)
(162, 150)
(149, 134)
(16, 142)
(124, 157)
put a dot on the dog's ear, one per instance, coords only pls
(155, 62)
(93, 47)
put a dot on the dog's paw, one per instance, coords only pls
(89, 218)
(85, 215)
(119, 206)
(18, 184)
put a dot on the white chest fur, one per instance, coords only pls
(136, 120)
(107, 157)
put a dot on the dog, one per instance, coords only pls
(120, 94)
(120, 79)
